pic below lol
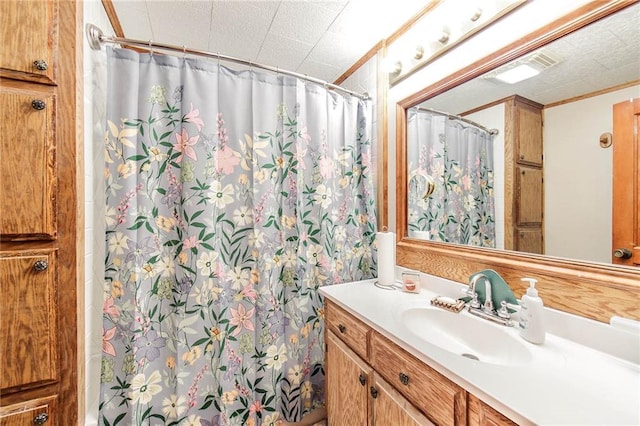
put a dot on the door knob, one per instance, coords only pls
(40, 64)
(623, 253)
(41, 265)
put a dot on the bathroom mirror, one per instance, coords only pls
(587, 70)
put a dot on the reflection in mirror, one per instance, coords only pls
(578, 79)
(458, 157)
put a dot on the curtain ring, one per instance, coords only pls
(184, 52)
(218, 56)
(150, 49)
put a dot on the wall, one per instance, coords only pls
(578, 203)
(95, 82)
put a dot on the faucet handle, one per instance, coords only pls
(475, 302)
(503, 312)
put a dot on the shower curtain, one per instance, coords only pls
(459, 157)
(232, 196)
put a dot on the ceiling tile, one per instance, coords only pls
(302, 20)
(283, 52)
(322, 71)
(239, 28)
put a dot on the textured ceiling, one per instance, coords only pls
(602, 55)
(320, 38)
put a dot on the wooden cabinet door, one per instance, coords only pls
(480, 414)
(28, 332)
(27, 169)
(348, 381)
(529, 240)
(529, 196)
(391, 408)
(529, 134)
(35, 412)
(29, 34)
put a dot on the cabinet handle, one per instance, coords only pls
(38, 104)
(40, 64)
(363, 379)
(41, 265)
(40, 419)
(404, 379)
(342, 328)
(374, 392)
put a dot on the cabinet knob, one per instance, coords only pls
(40, 419)
(374, 392)
(342, 328)
(40, 64)
(41, 265)
(404, 379)
(362, 379)
(38, 104)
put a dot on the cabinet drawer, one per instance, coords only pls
(28, 343)
(351, 330)
(29, 37)
(441, 400)
(35, 412)
(28, 168)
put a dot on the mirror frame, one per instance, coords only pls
(592, 290)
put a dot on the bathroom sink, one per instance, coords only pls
(467, 336)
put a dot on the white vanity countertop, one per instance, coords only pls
(565, 383)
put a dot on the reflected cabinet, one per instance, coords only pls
(524, 183)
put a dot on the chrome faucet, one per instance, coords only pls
(486, 310)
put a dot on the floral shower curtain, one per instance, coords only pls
(459, 157)
(232, 196)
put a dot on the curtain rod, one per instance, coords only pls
(96, 38)
(458, 117)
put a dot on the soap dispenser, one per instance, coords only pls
(532, 314)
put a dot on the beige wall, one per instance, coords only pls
(577, 174)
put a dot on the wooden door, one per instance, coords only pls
(391, 408)
(626, 183)
(348, 382)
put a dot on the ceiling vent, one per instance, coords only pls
(531, 64)
(542, 60)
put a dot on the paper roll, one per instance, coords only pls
(421, 235)
(386, 257)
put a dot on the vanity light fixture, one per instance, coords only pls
(419, 53)
(476, 15)
(392, 67)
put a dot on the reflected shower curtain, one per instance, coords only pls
(231, 198)
(459, 157)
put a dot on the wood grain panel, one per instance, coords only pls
(28, 328)
(595, 291)
(529, 196)
(24, 414)
(352, 331)
(480, 414)
(529, 131)
(441, 400)
(28, 169)
(529, 240)
(347, 397)
(391, 408)
(28, 33)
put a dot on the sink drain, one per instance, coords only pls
(471, 356)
